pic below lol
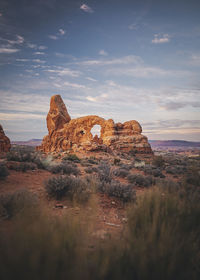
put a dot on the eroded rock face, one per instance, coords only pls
(75, 134)
(4, 141)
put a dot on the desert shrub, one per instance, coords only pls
(158, 222)
(126, 166)
(90, 170)
(193, 177)
(43, 161)
(21, 156)
(176, 169)
(104, 172)
(3, 171)
(116, 161)
(140, 180)
(161, 241)
(158, 161)
(67, 186)
(72, 157)
(12, 204)
(43, 248)
(116, 189)
(154, 171)
(13, 156)
(23, 166)
(64, 168)
(121, 172)
(93, 160)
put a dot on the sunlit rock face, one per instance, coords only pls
(4, 141)
(66, 134)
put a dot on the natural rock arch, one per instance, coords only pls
(75, 134)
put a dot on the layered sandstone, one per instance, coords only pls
(4, 141)
(66, 134)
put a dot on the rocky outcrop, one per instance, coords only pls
(4, 141)
(75, 134)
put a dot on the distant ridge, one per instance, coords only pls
(174, 143)
(154, 143)
(31, 142)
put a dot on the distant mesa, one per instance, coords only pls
(66, 134)
(4, 141)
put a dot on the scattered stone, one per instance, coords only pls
(111, 224)
(58, 205)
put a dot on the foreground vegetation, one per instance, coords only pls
(160, 238)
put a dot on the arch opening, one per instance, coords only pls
(96, 130)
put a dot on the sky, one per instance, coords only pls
(119, 59)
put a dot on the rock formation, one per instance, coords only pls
(4, 141)
(66, 134)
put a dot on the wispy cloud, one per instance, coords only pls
(104, 62)
(61, 32)
(42, 47)
(65, 72)
(161, 39)
(53, 37)
(38, 53)
(73, 85)
(99, 98)
(91, 79)
(133, 26)
(8, 50)
(103, 53)
(86, 8)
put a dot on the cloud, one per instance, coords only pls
(19, 40)
(99, 98)
(103, 62)
(65, 72)
(86, 8)
(62, 31)
(103, 52)
(38, 61)
(38, 53)
(34, 46)
(42, 48)
(133, 26)
(53, 37)
(173, 106)
(8, 50)
(19, 116)
(158, 39)
(73, 85)
(91, 79)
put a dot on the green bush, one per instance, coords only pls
(3, 171)
(72, 157)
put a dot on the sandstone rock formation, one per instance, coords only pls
(4, 141)
(75, 134)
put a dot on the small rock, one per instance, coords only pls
(58, 205)
(124, 220)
